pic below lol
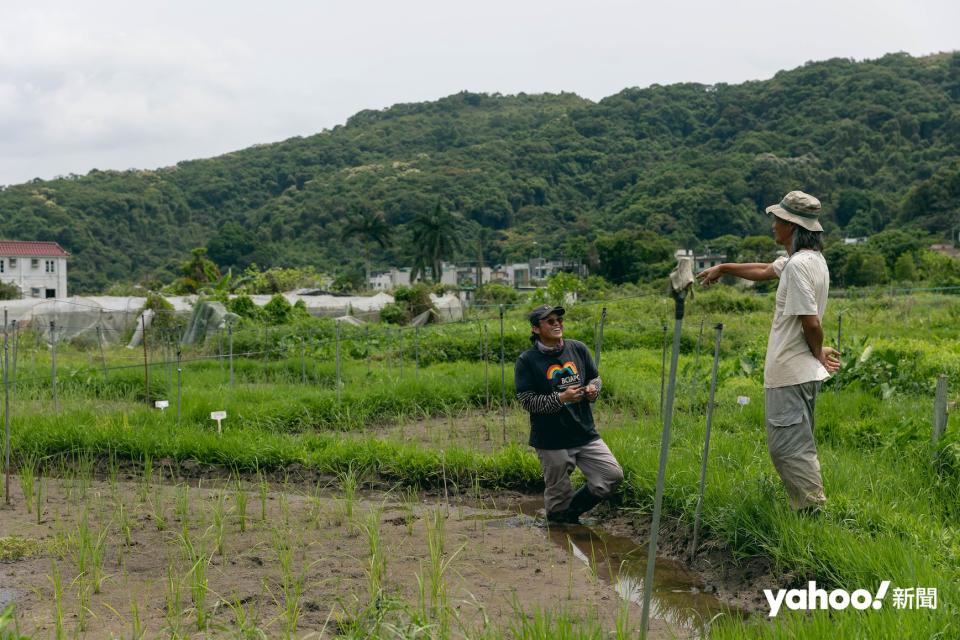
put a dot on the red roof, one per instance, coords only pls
(32, 249)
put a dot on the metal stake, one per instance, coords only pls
(53, 364)
(366, 347)
(103, 359)
(179, 384)
(338, 363)
(16, 343)
(662, 470)
(230, 346)
(416, 350)
(663, 369)
(706, 441)
(303, 361)
(597, 349)
(146, 368)
(503, 382)
(836, 386)
(485, 348)
(6, 416)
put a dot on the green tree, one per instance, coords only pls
(558, 286)
(278, 310)
(233, 246)
(905, 270)
(757, 249)
(436, 237)
(197, 272)
(370, 227)
(893, 243)
(629, 255)
(9, 291)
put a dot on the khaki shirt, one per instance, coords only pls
(803, 288)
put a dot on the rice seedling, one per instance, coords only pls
(158, 510)
(84, 594)
(88, 552)
(123, 522)
(219, 521)
(316, 506)
(245, 620)
(199, 561)
(182, 506)
(291, 584)
(173, 600)
(146, 479)
(377, 562)
(27, 471)
(348, 484)
(57, 583)
(263, 489)
(240, 500)
(284, 505)
(41, 482)
(137, 631)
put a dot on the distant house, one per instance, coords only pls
(39, 269)
(701, 261)
(854, 240)
(708, 260)
(946, 249)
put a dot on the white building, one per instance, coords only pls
(390, 280)
(701, 261)
(38, 269)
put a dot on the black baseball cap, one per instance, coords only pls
(542, 312)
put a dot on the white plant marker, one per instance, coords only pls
(161, 404)
(219, 416)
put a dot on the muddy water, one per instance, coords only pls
(679, 596)
(8, 597)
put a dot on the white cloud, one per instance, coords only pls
(112, 84)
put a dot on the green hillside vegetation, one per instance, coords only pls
(617, 183)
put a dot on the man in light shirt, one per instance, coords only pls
(797, 362)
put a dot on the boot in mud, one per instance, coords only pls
(582, 502)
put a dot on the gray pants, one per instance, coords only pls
(595, 460)
(790, 421)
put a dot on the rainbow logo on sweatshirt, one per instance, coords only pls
(555, 370)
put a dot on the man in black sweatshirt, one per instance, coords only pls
(556, 382)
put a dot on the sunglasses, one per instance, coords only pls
(553, 321)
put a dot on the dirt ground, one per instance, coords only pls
(301, 568)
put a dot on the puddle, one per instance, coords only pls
(8, 597)
(678, 595)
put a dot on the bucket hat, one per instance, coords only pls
(800, 208)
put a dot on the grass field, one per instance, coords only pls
(421, 412)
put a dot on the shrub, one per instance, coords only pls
(244, 307)
(278, 310)
(494, 293)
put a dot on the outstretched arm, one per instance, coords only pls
(755, 271)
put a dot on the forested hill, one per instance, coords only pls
(878, 141)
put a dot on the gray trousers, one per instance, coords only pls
(790, 421)
(601, 469)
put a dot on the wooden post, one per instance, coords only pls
(940, 409)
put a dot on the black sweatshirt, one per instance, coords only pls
(539, 379)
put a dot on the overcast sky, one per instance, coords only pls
(115, 85)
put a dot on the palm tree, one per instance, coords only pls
(368, 226)
(436, 237)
